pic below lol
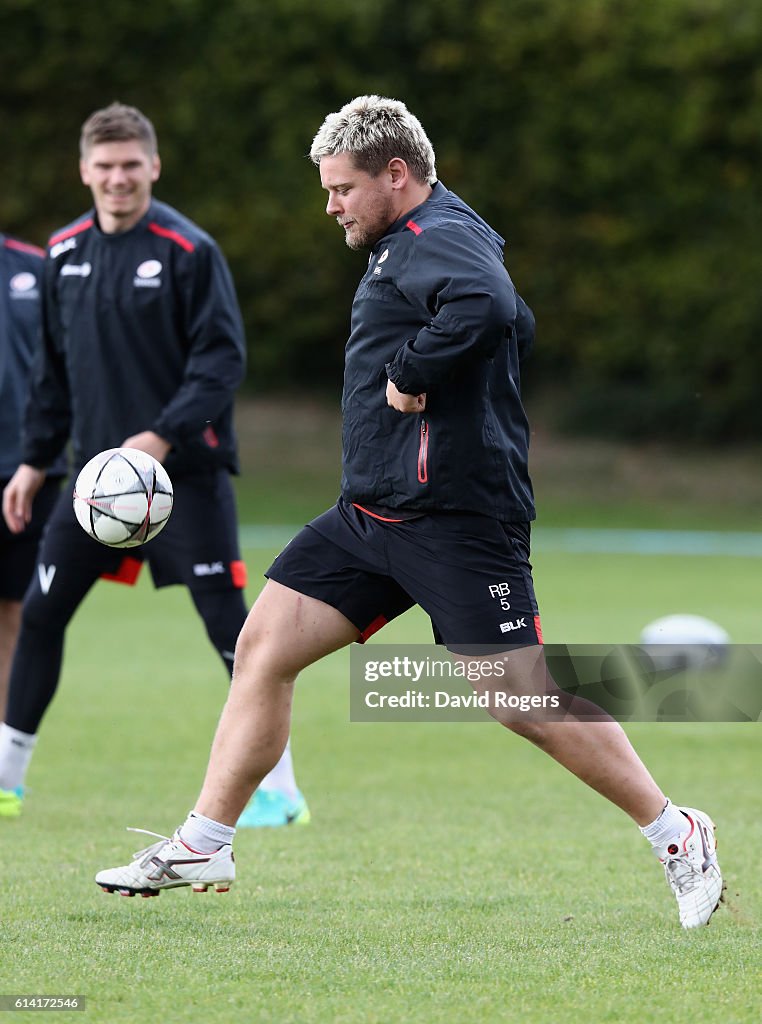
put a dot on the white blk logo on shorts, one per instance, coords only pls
(506, 627)
(208, 568)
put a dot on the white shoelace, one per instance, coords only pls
(682, 875)
(149, 850)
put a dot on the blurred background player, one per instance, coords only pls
(142, 346)
(20, 286)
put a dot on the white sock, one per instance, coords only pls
(282, 776)
(668, 826)
(204, 835)
(16, 749)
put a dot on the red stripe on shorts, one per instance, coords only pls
(238, 574)
(378, 623)
(128, 571)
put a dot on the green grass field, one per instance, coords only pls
(452, 873)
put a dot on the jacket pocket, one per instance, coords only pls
(423, 454)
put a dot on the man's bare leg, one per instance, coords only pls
(285, 632)
(597, 751)
(10, 624)
(600, 754)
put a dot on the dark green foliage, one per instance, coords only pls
(615, 144)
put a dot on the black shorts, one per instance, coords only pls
(198, 547)
(470, 573)
(18, 551)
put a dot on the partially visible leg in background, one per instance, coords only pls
(277, 801)
(57, 589)
(10, 623)
(285, 632)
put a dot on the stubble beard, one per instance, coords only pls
(381, 218)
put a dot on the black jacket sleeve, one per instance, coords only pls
(467, 293)
(217, 351)
(47, 420)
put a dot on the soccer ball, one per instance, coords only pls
(689, 641)
(123, 497)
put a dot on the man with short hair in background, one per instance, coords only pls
(142, 347)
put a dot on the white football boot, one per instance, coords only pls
(690, 864)
(167, 865)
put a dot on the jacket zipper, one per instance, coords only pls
(423, 454)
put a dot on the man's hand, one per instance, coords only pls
(404, 403)
(19, 494)
(149, 442)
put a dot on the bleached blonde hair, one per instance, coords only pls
(375, 130)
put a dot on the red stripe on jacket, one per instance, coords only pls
(173, 235)
(33, 250)
(68, 232)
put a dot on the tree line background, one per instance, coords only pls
(614, 143)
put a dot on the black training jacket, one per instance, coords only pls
(20, 293)
(437, 312)
(141, 331)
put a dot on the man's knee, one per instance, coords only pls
(534, 731)
(286, 631)
(262, 646)
(42, 614)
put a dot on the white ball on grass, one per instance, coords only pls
(690, 640)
